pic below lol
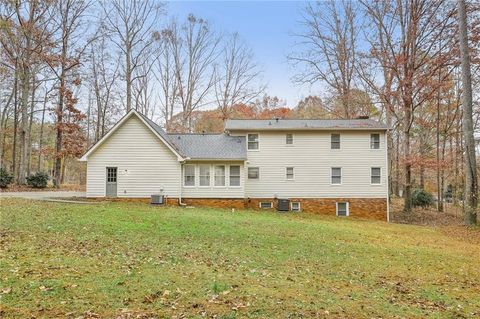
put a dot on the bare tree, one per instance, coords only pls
(328, 49)
(236, 74)
(471, 183)
(131, 24)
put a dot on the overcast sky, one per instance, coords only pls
(266, 27)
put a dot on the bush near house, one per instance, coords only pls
(422, 198)
(5, 178)
(38, 180)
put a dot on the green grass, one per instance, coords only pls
(125, 259)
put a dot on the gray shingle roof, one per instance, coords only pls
(210, 146)
(281, 124)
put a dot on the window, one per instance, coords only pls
(234, 175)
(342, 209)
(295, 206)
(375, 141)
(253, 141)
(204, 175)
(219, 175)
(266, 205)
(376, 174)
(111, 174)
(335, 141)
(336, 175)
(189, 175)
(290, 173)
(253, 173)
(289, 139)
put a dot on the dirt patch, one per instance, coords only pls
(26, 188)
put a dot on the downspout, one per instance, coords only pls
(387, 175)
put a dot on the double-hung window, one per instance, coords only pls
(289, 173)
(234, 175)
(289, 139)
(204, 171)
(376, 175)
(253, 173)
(189, 175)
(335, 141)
(336, 175)
(375, 141)
(219, 175)
(252, 140)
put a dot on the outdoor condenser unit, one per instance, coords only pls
(283, 205)
(157, 199)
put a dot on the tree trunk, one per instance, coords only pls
(25, 84)
(30, 124)
(59, 135)
(470, 202)
(128, 78)
(40, 139)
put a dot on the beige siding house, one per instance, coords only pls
(336, 167)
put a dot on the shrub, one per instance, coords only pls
(38, 180)
(5, 178)
(422, 198)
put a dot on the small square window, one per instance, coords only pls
(342, 209)
(376, 175)
(289, 139)
(266, 205)
(336, 175)
(375, 141)
(252, 140)
(295, 206)
(253, 173)
(289, 173)
(335, 141)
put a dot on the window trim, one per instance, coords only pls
(299, 207)
(293, 173)
(331, 176)
(194, 175)
(248, 175)
(224, 176)
(339, 141)
(379, 142)
(239, 176)
(286, 140)
(347, 209)
(209, 175)
(258, 143)
(371, 175)
(260, 205)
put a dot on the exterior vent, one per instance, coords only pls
(157, 200)
(283, 205)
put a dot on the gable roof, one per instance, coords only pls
(281, 124)
(157, 131)
(210, 146)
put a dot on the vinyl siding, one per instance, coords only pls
(312, 159)
(215, 191)
(145, 164)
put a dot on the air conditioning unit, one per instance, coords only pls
(157, 199)
(283, 205)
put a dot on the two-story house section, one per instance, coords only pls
(336, 167)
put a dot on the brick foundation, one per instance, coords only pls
(373, 208)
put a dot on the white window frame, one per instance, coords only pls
(287, 140)
(372, 142)
(257, 141)
(200, 175)
(194, 175)
(347, 208)
(371, 175)
(293, 173)
(270, 203)
(339, 141)
(224, 176)
(299, 206)
(248, 174)
(331, 176)
(239, 176)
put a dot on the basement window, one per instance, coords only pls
(342, 209)
(295, 206)
(266, 205)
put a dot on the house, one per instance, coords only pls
(336, 167)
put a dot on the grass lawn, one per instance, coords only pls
(128, 260)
